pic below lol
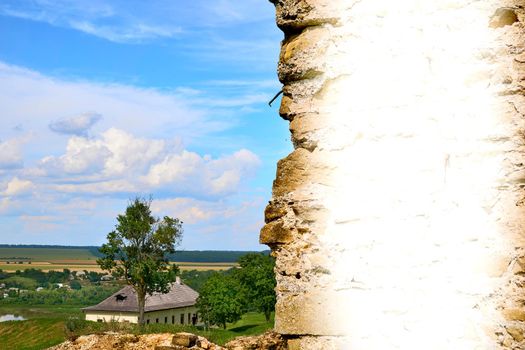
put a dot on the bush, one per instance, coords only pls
(75, 285)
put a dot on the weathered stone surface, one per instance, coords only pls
(204, 343)
(393, 107)
(267, 341)
(514, 314)
(299, 169)
(112, 340)
(274, 210)
(296, 15)
(311, 342)
(184, 339)
(310, 312)
(516, 333)
(503, 17)
(276, 232)
(294, 64)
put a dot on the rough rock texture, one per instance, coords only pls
(118, 341)
(398, 219)
(267, 341)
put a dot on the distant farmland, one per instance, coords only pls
(49, 258)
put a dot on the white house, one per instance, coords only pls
(175, 307)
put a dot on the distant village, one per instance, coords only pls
(17, 283)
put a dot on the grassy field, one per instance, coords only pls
(46, 254)
(51, 265)
(46, 327)
(47, 259)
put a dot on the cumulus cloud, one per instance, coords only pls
(17, 187)
(196, 173)
(11, 153)
(78, 125)
(115, 153)
(119, 162)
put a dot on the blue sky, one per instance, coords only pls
(101, 101)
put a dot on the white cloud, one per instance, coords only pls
(134, 32)
(82, 156)
(31, 100)
(118, 162)
(17, 187)
(189, 210)
(77, 125)
(193, 211)
(11, 153)
(119, 21)
(133, 154)
(201, 174)
(115, 153)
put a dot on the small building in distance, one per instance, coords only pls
(175, 307)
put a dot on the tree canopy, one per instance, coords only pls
(258, 281)
(137, 250)
(220, 300)
(225, 296)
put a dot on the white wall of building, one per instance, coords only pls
(169, 316)
(172, 316)
(107, 316)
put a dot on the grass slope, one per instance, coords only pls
(34, 334)
(46, 327)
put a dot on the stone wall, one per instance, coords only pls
(398, 218)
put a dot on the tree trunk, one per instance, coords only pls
(267, 315)
(141, 297)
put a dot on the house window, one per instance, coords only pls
(166, 319)
(189, 318)
(156, 320)
(173, 319)
(181, 318)
(147, 321)
(100, 320)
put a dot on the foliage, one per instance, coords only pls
(220, 300)
(88, 295)
(75, 285)
(72, 325)
(196, 278)
(93, 276)
(19, 282)
(257, 278)
(208, 255)
(137, 250)
(44, 278)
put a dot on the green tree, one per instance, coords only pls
(257, 278)
(75, 285)
(220, 300)
(137, 250)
